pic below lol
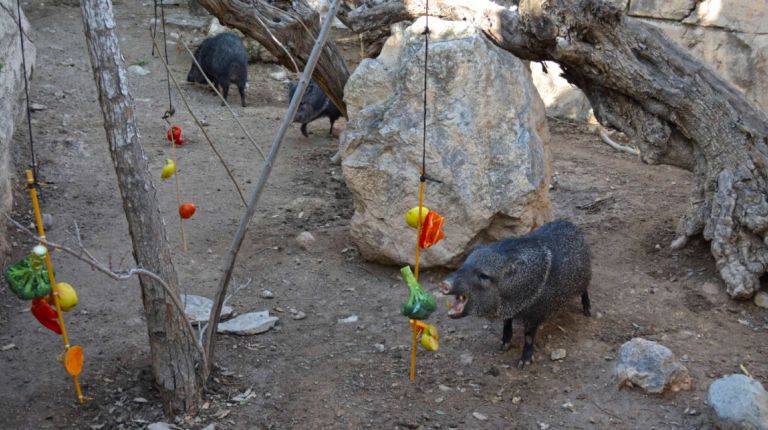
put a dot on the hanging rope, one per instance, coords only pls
(168, 113)
(26, 93)
(422, 183)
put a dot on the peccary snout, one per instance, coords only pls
(315, 104)
(224, 60)
(526, 278)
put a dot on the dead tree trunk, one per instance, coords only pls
(677, 110)
(175, 357)
(290, 26)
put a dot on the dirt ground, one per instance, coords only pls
(318, 373)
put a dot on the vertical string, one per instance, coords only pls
(170, 110)
(26, 93)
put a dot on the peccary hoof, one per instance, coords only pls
(522, 363)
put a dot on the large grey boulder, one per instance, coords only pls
(487, 141)
(11, 99)
(739, 403)
(650, 366)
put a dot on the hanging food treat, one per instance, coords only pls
(174, 135)
(168, 169)
(67, 296)
(431, 231)
(186, 210)
(46, 315)
(28, 278)
(429, 336)
(412, 216)
(73, 360)
(420, 304)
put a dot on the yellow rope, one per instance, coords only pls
(51, 278)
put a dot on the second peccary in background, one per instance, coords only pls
(315, 104)
(528, 278)
(224, 60)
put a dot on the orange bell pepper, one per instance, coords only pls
(431, 231)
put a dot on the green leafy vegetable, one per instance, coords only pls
(420, 304)
(28, 278)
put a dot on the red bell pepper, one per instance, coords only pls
(46, 315)
(431, 231)
(174, 135)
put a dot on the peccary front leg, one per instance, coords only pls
(241, 89)
(506, 335)
(304, 129)
(585, 304)
(330, 132)
(224, 91)
(530, 334)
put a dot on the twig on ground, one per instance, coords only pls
(617, 146)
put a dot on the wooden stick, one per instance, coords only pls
(266, 169)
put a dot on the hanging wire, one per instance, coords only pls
(424, 134)
(169, 113)
(26, 93)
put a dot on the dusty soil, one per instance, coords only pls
(317, 372)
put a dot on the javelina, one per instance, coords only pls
(223, 59)
(527, 278)
(315, 104)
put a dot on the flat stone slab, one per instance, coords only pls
(249, 323)
(198, 308)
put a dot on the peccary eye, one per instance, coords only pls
(483, 277)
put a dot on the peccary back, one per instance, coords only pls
(315, 104)
(528, 278)
(224, 60)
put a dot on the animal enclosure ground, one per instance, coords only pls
(318, 372)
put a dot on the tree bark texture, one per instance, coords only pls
(677, 110)
(295, 26)
(175, 357)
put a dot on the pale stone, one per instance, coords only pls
(739, 402)
(198, 308)
(249, 323)
(650, 366)
(664, 9)
(487, 142)
(561, 99)
(748, 16)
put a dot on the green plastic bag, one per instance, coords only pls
(28, 278)
(420, 304)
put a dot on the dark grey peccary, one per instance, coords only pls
(224, 60)
(525, 278)
(315, 104)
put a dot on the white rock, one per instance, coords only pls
(664, 9)
(138, 70)
(215, 27)
(349, 319)
(249, 323)
(739, 402)
(305, 240)
(279, 75)
(36, 107)
(561, 99)
(479, 416)
(761, 299)
(198, 308)
(466, 359)
(161, 426)
(299, 315)
(558, 354)
(492, 153)
(379, 347)
(266, 294)
(650, 366)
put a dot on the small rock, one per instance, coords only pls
(479, 416)
(739, 402)
(36, 107)
(249, 323)
(379, 347)
(266, 294)
(466, 359)
(161, 426)
(8, 347)
(349, 319)
(305, 240)
(138, 70)
(443, 388)
(210, 427)
(47, 222)
(650, 366)
(440, 400)
(516, 400)
(279, 75)
(569, 406)
(543, 426)
(140, 400)
(761, 299)
(215, 27)
(558, 354)
(299, 315)
(198, 308)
